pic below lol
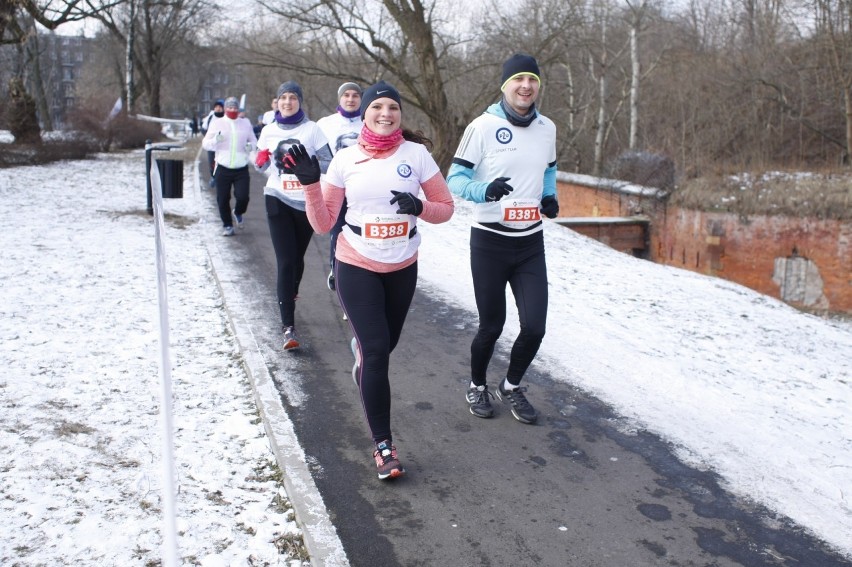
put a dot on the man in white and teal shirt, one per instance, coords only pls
(506, 165)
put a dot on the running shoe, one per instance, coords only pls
(480, 404)
(330, 280)
(356, 368)
(290, 340)
(387, 461)
(521, 408)
(228, 231)
(239, 219)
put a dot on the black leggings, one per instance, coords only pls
(291, 234)
(225, 178)
(376, 305)
(335, 232)
(496, 260)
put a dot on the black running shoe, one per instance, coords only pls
(387, 461)
(480, 404)
(330, 280)
(521, 408)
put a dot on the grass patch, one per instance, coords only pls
(823, 195)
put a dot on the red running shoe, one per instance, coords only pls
(387, 462)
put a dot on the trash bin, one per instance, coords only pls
(171, 176)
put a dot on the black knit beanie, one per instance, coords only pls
(379, 90)
(519, 64)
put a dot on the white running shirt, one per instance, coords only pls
(368, 183)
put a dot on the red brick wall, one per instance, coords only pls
(584, 201)
(751, 251)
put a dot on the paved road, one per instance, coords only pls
(577, 489)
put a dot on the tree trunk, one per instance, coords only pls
(634, 85)
(847, 99)
(23, 122)
(597, 166)
(128, 59)
(412, 19)
(42, 103)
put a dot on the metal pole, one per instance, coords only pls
(148, 149)
(170, 556)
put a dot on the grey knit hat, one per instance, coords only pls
(348, 87)
(290, 87)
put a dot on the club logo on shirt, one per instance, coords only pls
(504, 135)
(345, 140)
(404, 170)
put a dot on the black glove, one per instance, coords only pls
(497, 189)
(306, 167)
(408, 203)
(282, 160)
(550, 207)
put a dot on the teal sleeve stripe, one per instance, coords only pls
(549, 187)
(461, 183)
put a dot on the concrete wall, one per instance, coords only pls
(806, 262)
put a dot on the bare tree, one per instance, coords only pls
(637, 13)
(14, 31)
(601, 57)
(51, 15)
(154, 32)
(365, 40)
(833, 34)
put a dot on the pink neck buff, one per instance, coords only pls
(377, 146)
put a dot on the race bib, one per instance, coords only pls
(383, 232)
(290, 184)
(519, 213)
(290, 187)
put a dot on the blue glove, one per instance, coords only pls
(498, 189)
(408, 204)
(550, 207)
(306, 167)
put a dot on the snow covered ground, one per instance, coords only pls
(739, 382)
(80, 443)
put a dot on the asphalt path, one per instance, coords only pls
(579, 488)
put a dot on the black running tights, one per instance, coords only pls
(291, 234)
(225, 178)
(376, 305)
(497, 260)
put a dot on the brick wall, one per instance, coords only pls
(806, 262)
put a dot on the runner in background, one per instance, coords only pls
(232, 139)
(341, 129)
(217, 112)
(285, 197)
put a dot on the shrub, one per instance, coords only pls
(13, 155)
(122, 132)
(643, 168)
